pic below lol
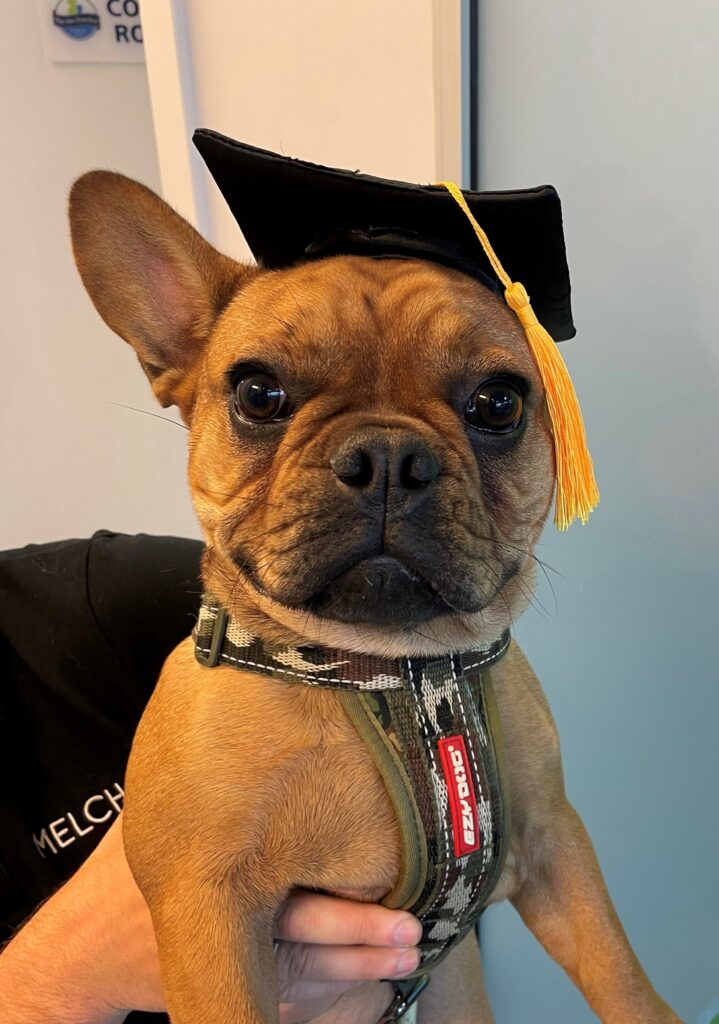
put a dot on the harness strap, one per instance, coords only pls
(221, 640)
(432, 728)
(435, 745)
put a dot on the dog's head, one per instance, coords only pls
(370, 455)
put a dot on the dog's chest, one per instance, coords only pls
(431, 729)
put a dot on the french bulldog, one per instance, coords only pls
(371, 462)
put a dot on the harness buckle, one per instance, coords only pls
(212, 657)
(406, 995)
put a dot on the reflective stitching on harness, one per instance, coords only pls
(435, 779)
(435, 769)
(489, 656)
(211, 610)
(305, 676)
(487, 841)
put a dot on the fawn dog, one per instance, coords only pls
(345, 501)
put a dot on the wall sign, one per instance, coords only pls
(92, 31)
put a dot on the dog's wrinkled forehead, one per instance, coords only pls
(376, 319)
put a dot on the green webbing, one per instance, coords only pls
(413, 869)
(494, 727)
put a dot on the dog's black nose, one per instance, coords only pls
(377, 461)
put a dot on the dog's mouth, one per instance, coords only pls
(380, 590)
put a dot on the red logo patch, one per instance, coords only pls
(462, 804)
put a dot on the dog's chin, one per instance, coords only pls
(378, 591)
(390, 629)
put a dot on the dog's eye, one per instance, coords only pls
(496, 405)
(261, 398)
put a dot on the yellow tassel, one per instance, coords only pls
(577, 492)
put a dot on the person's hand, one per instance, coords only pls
(328, 945)
(88, 955)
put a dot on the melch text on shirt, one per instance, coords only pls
(73, 825)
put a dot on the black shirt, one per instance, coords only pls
(85, 626)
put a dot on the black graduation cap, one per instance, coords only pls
(291, 211)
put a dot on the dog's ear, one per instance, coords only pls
(153, 279)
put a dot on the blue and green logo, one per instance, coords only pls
(711, 1014)
(77, 18)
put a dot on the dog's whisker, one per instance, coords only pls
(155, 415)
(550, 585)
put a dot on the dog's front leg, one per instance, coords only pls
(456, 992)
(215, 947)
(552, 874)
(565, 903)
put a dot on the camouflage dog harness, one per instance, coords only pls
(432, 727)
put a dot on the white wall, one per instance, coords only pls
(373, 86)
(70, 461)
(348, 85)
(615, 103)
(355, 85)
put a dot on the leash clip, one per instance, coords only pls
(212, 657)
(406, 995)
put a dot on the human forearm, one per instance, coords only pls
(74, 961)
(47, 971)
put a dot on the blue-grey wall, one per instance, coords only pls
(616, 105)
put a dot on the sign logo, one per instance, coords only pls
(462, 803)
(77, 18)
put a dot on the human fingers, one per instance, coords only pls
(301, 961)
(332, 1004)
(330, 920)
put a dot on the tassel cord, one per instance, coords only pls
(576, 489)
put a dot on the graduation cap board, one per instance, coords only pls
(292, 211)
